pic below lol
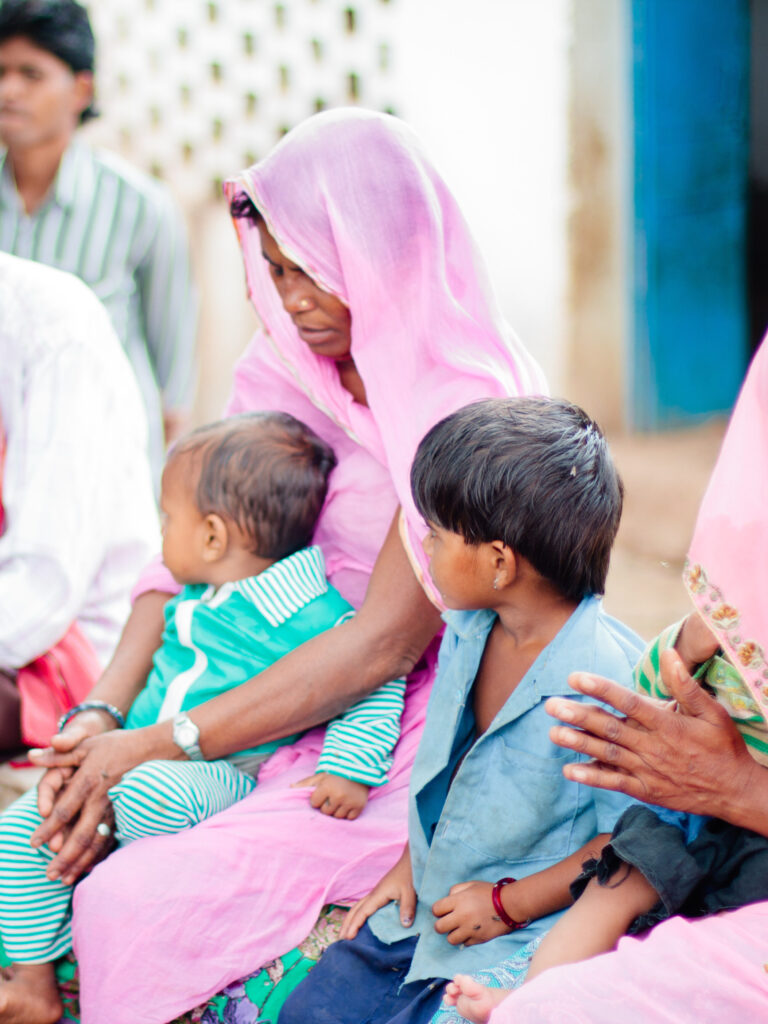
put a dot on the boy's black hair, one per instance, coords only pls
(242, 207)
(534, 473)
(61, 27)
(266, 472)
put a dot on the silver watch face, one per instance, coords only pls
(186, 734)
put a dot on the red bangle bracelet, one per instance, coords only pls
(498, 907)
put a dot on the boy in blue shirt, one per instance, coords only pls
(522, 502)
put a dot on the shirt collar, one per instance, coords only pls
(287, 586)
(469, 625)
(74, 177)
(572, 647)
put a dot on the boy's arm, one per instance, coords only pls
(396, 886)
(467, 914)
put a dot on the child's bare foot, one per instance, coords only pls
(474, 1001)
(28, 995)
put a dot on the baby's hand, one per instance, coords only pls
(466, 915)
(335, 795)
(472, 999)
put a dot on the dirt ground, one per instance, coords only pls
(665, 476)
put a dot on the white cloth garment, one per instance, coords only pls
(80, 519)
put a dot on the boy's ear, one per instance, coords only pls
(215, 538)
(504, 564)
(83, 92)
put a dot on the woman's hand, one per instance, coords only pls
(91, 847)
(395, 887)
(77, 800)
(466, 916)
(694, 760)
(79, 728)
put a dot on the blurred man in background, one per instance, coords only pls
(77, 516)
(88, 212)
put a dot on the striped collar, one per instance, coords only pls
(75, 177)
(287, 586)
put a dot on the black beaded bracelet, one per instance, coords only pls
(93, 705)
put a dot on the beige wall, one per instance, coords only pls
(597, 290)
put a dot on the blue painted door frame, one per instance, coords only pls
(690, 98)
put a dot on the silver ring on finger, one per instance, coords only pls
(103, 830)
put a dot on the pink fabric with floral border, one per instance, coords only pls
(727, 563)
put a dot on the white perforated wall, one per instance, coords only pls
(195, 90)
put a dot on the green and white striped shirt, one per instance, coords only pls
(216, 638)
(119, 231)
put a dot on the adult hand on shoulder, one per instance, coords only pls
(694, 760)
(395, 887)
(466, 916)
(80, 803)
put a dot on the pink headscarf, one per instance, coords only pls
(726, 572)
(349, 196)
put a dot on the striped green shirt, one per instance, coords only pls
(119, 231)
(719, 676)
(216, 638)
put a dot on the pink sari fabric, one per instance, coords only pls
(727, 562)
(682, 972)
(164, 924)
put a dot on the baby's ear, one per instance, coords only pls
(215, 538)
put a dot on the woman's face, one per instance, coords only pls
(322, 320)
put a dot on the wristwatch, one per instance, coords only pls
(187, 736)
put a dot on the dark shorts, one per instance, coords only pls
(724, 867)
(360, 981)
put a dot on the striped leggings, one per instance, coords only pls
(157, 798)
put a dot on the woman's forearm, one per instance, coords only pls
(324, 676)
(743, 799)
(131, 663)
(309, 686)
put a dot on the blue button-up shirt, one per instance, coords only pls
(507, 810)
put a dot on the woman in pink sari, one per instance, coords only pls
(714, 968)
(378, 321)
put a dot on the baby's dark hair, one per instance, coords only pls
(242, 207)
(267, 472)
(60, 27)
(535, 473)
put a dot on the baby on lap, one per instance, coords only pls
(240, 502)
